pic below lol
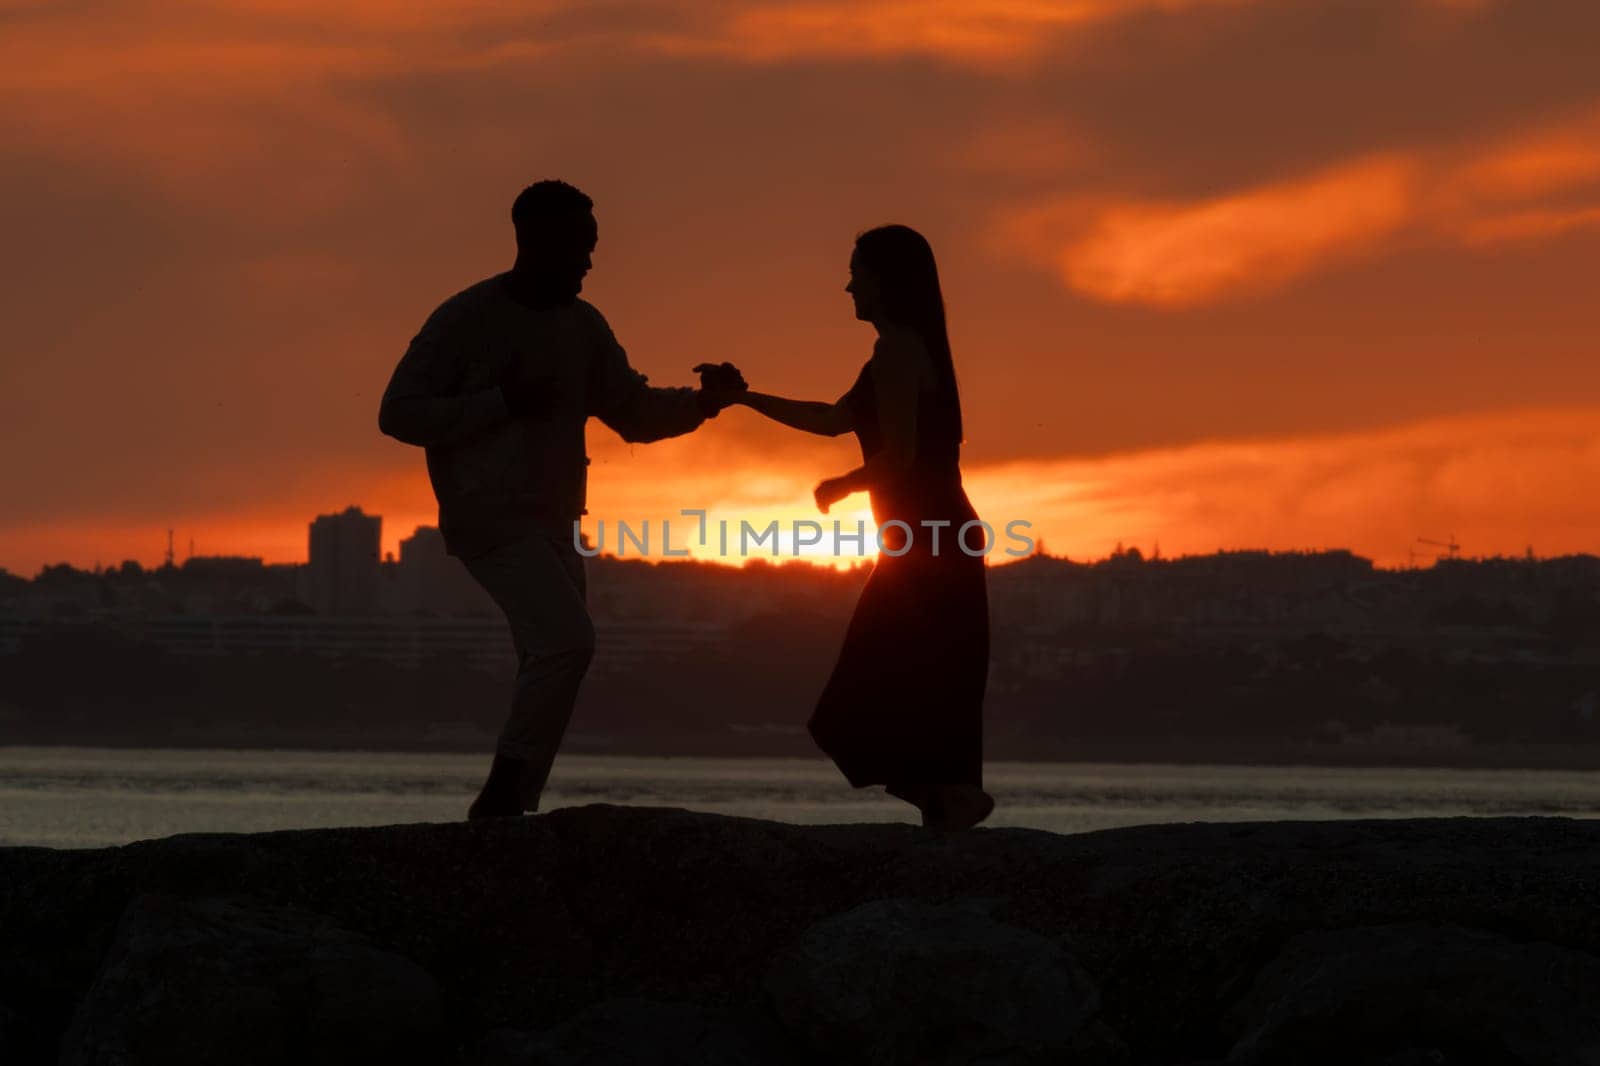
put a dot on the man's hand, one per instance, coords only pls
(720, 385)
(830, 491)
(720, 377)
(528, 398)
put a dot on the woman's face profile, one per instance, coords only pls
(863, 290)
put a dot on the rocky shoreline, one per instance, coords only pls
(641, 936)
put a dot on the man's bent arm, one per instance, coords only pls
(421, 406)
(623, 399)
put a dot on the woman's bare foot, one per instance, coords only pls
(958, 807)
(919, 796)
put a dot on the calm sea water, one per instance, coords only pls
(89, 797)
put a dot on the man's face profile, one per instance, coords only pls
(559, 254)
(572, 254)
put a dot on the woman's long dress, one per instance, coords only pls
(904, 706)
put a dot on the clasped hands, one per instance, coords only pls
(720, 385)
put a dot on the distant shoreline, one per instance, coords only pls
(1509, 757)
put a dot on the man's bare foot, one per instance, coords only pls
(958, 807)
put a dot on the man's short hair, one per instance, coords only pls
(547, 206)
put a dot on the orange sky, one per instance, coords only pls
(1220, 273)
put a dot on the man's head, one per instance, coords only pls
(556, 235)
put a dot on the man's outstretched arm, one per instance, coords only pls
(423, 405)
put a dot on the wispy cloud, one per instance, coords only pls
(1179, 255)
(1498, 482)
(1186, 253)
(53, 47)
(981, 32)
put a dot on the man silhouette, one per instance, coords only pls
(497, 388)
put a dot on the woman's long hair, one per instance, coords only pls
(909, 289)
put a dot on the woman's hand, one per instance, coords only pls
(720, 377)
(830, 491)
(721, 385)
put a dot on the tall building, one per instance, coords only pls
(431, 581)
(342, 576)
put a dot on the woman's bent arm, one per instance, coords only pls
(896, 380)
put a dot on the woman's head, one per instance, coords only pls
(893, 278)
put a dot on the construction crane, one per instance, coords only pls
(1452, 550)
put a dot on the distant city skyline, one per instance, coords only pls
(1424, 551)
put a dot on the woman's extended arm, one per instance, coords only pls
(810, 416)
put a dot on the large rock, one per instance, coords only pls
(208, 981)
(527, 923)
(898, 981)
(11, 1036)
(1420, 993)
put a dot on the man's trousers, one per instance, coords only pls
(539, 582)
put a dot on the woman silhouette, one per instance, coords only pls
(904, 706)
